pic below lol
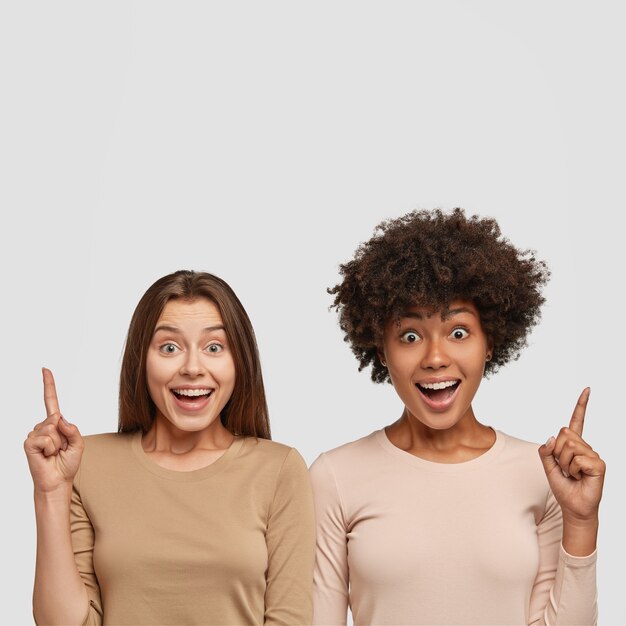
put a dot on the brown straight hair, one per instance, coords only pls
(246, 411)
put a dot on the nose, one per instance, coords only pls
(192, 364)
(435, 356)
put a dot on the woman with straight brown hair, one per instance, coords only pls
(189, 514)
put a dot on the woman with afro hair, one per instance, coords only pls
(438, 518)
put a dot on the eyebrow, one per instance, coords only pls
(446, 314)
(173, 329)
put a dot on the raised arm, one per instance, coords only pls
(567, 535)
(576, 476)
(54, 449)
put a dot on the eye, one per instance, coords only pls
(214, 348)
(168, 348)
(459, 333)
(410, 336)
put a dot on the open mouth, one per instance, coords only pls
(192, 396)
(439, 394)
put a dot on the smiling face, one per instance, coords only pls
(189, 367)
(436, 362)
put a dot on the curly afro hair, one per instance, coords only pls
(428, 259)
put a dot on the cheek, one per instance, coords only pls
(221, 369)
(475, 366)
(227, 372)
(402, 362)
(401, 370)
(157, 370)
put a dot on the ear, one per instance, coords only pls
(381, 357)
(489, 354)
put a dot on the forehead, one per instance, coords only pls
(199, 311)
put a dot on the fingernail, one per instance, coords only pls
(549, 442)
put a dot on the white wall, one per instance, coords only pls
(263, 142)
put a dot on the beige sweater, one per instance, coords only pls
(231, 543)
(408, 541)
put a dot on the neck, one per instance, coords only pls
(467, 439)
(164, 437)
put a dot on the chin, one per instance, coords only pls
(191, 428)
(441, 422)
(191, 424)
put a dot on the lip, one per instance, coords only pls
(439, 406)
(190, 387)
(192, 406)
(436, 379)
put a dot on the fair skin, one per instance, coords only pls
(191, 376)
(436, 362)
(188, 353)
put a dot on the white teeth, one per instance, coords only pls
(442, 385)
(192, 392)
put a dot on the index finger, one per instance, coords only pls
(578, 416)
(50, 394)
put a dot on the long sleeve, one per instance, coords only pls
(330, 578)
(83, 542)
(564, 592)
(290, 539)
(405, 541)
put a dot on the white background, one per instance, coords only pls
(263, 142)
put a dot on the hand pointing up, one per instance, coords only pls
(575, 472)
(54, 447)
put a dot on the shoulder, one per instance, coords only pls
(271, 454)
(349, 457)
(520, 456)
(519, 448)
(107, 441)
(267, 448)
(276, 469)
(105, 455)
(106, 447)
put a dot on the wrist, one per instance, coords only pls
(60, 495)
(580, 536)
(581, 522)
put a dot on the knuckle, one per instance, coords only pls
(564, 431)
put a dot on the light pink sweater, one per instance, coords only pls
(402, 540)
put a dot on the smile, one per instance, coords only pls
(192, 400)
(192, 393)
(439, 395)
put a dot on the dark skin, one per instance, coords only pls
(449, 348)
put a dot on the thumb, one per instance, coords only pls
(70, 431)
(546, 456)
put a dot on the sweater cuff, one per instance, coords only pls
(578, 561)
